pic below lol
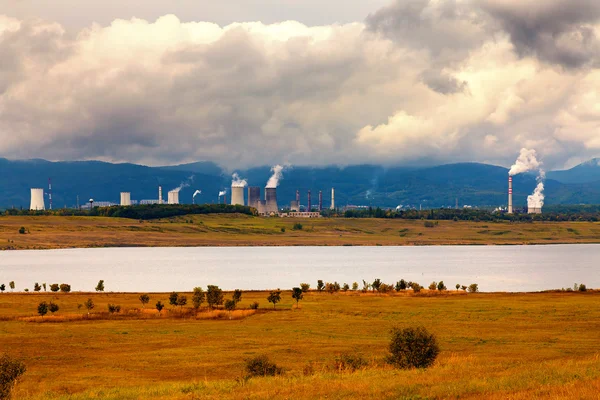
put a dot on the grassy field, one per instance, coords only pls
(238, 230)
(494, 346)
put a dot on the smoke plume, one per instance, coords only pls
(536, 199)
(222, 193)
(184, 184)
(237, 181)
(196, 193)
(526, 162)
(276, 177)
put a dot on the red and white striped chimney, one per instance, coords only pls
(510, 203)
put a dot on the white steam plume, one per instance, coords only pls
(276, 177)
(536, 200)
(196, 193)
(184, 184)
(526, 162)
(222, 193)
(237, 181)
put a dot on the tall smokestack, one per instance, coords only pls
(333, 198)
(320, 200)
(510, 190)
(160, 195)
(309, 202)
(298, 196)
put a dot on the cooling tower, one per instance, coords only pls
(271, 201)
(37, 200)
(173, 197)
(534, 210)
(125, 198)
(332, 198)
(295, 206)
(510, 190)
(253, 196)
(237, 195)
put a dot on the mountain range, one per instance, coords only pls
(472, 184)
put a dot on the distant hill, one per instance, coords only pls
(587, 172)
(471, 183)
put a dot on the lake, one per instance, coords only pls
(494, 268)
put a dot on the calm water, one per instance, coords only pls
(494, 268)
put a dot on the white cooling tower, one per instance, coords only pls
(237, 195)
(173, 197)
(125, 198)
(37, 200)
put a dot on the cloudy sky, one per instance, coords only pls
(255, 82)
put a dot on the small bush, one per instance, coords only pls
(429, 224)
(432, 286)
(349, 362)
(412, 348)
(473, 288)
(53, 307)
(114, 308)
(230, 305)
(441, 286)
(305, 287)
(297, 226)
(10, 371)
(22, 230)
(55, 287)
(582, 288)
(415, 287)
(262, 366)
(254, 306)
(65, 288)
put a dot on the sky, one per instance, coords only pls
(305, 82)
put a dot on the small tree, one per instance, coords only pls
(237, 296)
(37, 287)
(403, 284)
(412, 348)
(12, 285)
(432, 285)
(173, 298)
(114, 308)
(366, 286)
(42, 309)
(2, 288)
(144, 299)
(214, 296)
(10, 371)
(254, 306)
(100, 286)
(89, 305)
(305, 287)
(355, 286)
(65, 288)
(274, 297)
(415, 287)
(582, 288)
(160, 306)
(181, 301)
(464, 288)
(345, 287)
(441, 286)
(457, 286)
(376, 284)
(197, 297)
(53, 307)
(230, 305)
(297, 295)
(473, 288)
(55, 287)
(320, 285)
(44, 285)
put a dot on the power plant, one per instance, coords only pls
(37, 200)
(173, 197)
(125, 198)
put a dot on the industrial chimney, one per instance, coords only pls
(37, 200)
(510, 190)
(309, 205)
(125, 198)
(237, 195)
(160, 195)
(320, 200)
(332, 198)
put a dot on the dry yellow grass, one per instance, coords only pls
(496, 346)
(240, 230)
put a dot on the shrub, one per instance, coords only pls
(385, 288)
(230, 305)
(89, 305)
(473, 288)
(53, 307)
(412, 348)
(12, 285)
(2, 287)
(582, 288)
(237, 296)
(262, 366)
(457, 286)
(65, 288)
(441, 286)
(297, 295)
(376, 284)
(349, 362)
(355, 286)
(42, 309)
(297, 226)
(345, 287)
(114, 308)
(401, 285)
(173, 297)
(429, 224)
(254, 306)
(416, 287)
(463, 287)
(320, 285)
(22, 230)
(55, 287)
(100, 286)
(37, 287)
(181, 301)
(144, 299)
(10, 371)
(198, 297)
(305, 287)
(432, 285)
(214, 296)
(159, 306)
(283, 229)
